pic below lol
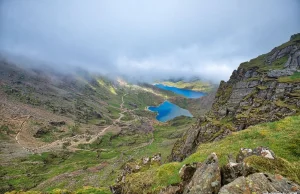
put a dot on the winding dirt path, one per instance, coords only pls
(19, 132)
(73, 142)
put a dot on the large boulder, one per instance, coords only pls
(207, 178)
(260, 183)
(233, 170)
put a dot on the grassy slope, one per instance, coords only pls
(26, 173)
(283, 137)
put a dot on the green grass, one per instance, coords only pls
(114, 112)
(5, 131)
(290, 79)
(283, 137)
(84, 190)
(113, 149)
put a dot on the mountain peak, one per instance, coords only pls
(295, 36)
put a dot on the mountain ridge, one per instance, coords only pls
(252, 95)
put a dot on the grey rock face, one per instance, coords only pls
(280, 73)
(292, 64)
(234, 178)
(260, 183)
(207, 178)
(293, 61)
(231, 171)
(278, 53)
(187, 171)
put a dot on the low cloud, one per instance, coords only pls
(147, 40)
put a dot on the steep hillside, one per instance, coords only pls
(264, 89)
(282, 137)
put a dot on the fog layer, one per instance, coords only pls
(147, 40)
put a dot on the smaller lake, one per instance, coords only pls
(184, 92)
(167, 111)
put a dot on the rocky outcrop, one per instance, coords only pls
(259, 151)
(233, 170)
(134, 167)
(260, 183)
(207, 178)
(234, 178)
(187, 171)
(280, 73)
(264, 89)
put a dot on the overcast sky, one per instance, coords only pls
(147, 40)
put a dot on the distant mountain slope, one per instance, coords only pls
(197, 85)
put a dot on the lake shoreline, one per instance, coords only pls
(187, 93)
(167, 111)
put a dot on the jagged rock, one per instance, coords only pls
(116, 189)
(207, 178)
(280, 73)
(233, 170)
(187, 171)
(191, 138)
(244, 152)
(259, 151)
(131, 168)
(222, 112)
(278, 53)
(260, 183)
(172, 189)
(156, 158)
(293, 61)
(145, 160)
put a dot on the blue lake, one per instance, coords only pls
(167, 111)
(184, 92)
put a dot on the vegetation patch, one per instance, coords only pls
(283, 137)
(276, 166)
(290, 79)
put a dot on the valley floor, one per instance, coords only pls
(88, 158)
